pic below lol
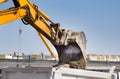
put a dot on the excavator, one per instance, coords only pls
(70, 45)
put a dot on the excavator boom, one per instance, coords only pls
(70, 45)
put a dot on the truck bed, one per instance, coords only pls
(52, 73)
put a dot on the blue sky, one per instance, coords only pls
(99, 19)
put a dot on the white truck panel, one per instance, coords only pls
(52, 73)
(67, 73)
(26, 73)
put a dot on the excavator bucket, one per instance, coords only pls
(72, 49)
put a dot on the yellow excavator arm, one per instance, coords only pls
(11, 15)
(70, 45)
(30, 14)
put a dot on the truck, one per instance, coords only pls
(55, 73)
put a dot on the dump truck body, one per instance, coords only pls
(53, 73)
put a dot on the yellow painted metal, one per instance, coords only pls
(44, 15)
(2, 56)
(48, 46)
(11, 15)
(31, 5)
(39, 25)
(37, 56)
(23, 2)
(2, 1)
